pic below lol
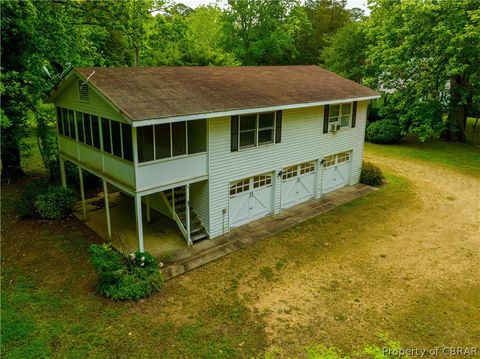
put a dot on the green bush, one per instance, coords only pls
(120, 278)
(56, 203)
(384, 131)
(26, 204)
(371, 175)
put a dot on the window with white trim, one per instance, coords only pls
(340, 114)
(256, 129)
(343, 157)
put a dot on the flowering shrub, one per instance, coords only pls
(119, 278)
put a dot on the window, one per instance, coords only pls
(307, 167)
(340, 114)
(343, 157)
(83, 92)
(59, 120)
(95, 131)
(329, 161)
(162, 141)
(266, 127)
(145, 143)
(240, 186)
(107, 144)
(262, 181)
(171, 139)
(179, 140)
(127, 142)
(116, 138)
(197, 136)
(80, 129)
(248, 131)
(289, 172)
(256, 129)
(66, 126)
(88, 129)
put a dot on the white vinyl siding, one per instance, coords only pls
(302, 141)
(199, 200)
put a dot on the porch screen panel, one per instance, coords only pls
(107, 144)
(179, 140)
(80, 130)
(95, 132)
(197, 136)
(116, 139)
(88, 129)
(71, 122)
(59, 120)
(66, 128)
(145, 143)
(162, 141)
(127, 142)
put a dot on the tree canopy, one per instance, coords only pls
(424, 55)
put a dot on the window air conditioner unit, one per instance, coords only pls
(334, 127)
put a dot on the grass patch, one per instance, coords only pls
(461, 157)
(266, 273)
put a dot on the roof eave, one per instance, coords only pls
(179, 118)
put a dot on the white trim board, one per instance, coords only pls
(157, 121)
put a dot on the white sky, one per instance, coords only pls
(362, 4)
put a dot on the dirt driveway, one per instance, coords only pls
(410, 268)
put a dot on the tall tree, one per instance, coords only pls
(427, 55)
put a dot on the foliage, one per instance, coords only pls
(383, 131)
(371, 175)
(25, 206)
(55, 203)
(46, 138)
(344, 53)
(426, 54)
(119, 278)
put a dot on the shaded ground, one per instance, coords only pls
(403, 261)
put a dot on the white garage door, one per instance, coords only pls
(250, 199)
(298, 184)
(336, 171)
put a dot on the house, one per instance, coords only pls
(212, 147)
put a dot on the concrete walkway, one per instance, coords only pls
(193, 257)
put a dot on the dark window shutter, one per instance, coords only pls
(234, 140)
(354, 114)
(325, 118)
(278, 127)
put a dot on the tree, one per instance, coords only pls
(426, 54)
(323, 19)
(257, 33)
(345, 52)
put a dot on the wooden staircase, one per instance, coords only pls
(197, 230)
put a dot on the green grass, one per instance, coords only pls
(461, 157)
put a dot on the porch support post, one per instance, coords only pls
(187, 212)
(148, 208)
(82, 193)
(62, 172)
(107, 209)
(138, 218)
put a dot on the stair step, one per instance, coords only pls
(199, 236)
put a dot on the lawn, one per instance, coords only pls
(402, 261)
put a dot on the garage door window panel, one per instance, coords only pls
(329, 161)
(240, 187)
(307, 167)
(290, 172)
(262, 181)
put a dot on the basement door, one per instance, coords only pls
(250, 199)
(336, 171)
(298, 184)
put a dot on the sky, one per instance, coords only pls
(362, 4)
